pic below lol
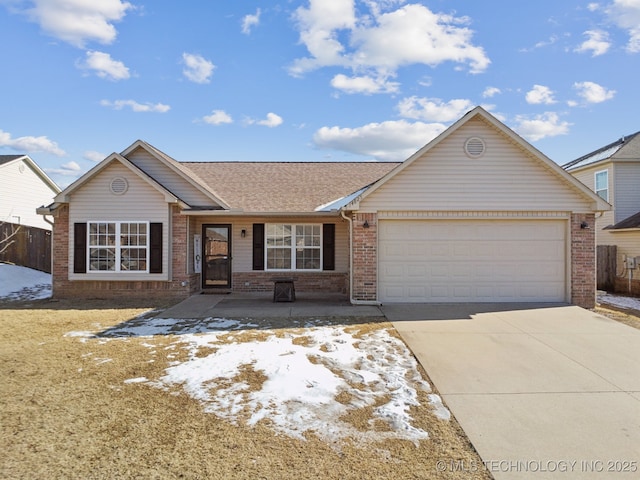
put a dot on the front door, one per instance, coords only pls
(216, 253)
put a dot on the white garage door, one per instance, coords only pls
(472, 260)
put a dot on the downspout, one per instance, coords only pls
(351, 299)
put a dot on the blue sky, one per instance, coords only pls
(320, 80)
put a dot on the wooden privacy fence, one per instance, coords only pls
(25, 246)
(606, 267)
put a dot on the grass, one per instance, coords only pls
(67, 413)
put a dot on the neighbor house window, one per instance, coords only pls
(293, 247)
(602, 184)
(118, 246)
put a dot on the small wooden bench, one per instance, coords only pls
(284, 290)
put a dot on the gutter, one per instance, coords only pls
(44, 211)
(351, 299)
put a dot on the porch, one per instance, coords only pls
(260, 305)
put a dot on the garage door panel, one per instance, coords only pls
(472, 260)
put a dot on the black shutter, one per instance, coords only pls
(155, 248)
(258, 246)
(79, 248)
(329, 246)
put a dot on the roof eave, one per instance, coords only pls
(63, 196)
(242, 213)
(163, 157)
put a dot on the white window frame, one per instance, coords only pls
(117, 246)
(293, 248)
(595, 184)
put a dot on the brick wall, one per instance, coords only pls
(181, 286)
(583, 260)
(316, 282)
(365, 256)
(60, 251)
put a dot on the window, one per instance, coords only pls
(602, 184)
(118, 246)
(293, 247)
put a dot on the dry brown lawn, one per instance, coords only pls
(66, 412)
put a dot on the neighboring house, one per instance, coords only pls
(613, 172)
(477, 215)
(25, 187)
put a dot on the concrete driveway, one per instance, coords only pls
(549, 392)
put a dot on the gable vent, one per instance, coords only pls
(118, 186)
(474, 147)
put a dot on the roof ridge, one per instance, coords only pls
(622, 140)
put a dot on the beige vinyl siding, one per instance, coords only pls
(167, 177)
(628, 243)
(21, 193)
(94, 201)
(604, 219)
(627, 192)
(504, 178)
(242, 248)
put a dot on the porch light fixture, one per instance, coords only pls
(584, 226)
(365, 224)
(243, 233)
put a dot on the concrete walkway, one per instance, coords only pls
(541, 392)
(261, 305)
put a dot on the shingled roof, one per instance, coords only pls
(613, 150)
(630, 222)
(286, 186)
(9, 158)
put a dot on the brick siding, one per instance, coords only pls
(365, 257)
(583, 260)
(62, 287)
(316, 282)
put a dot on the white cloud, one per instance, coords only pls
(78, 21)
(434, 109)
(592, 7)
(491, 92)
(626, 15)
(217, 117)
(541, 126)
(365, 84)
(540, 94)
(271, 121)
(197, 68)
(386, 141)
(598, 43)
(104, 66)
(135, 106)
(69, 169)
(30, 144)
(335, 34)
(94, 156)
(591, 92)
(250, 21)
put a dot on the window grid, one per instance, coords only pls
(293, 247)
(118, 246)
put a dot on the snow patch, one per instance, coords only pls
(619, 300)
(298, 378)
(21, 283)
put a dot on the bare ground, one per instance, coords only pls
(66, 412)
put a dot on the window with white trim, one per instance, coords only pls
(293, 247)
(118, 246)
(602, 184)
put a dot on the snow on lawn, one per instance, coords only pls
(298, 380)
(619, 300)
(302, 375)
(21, 283)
